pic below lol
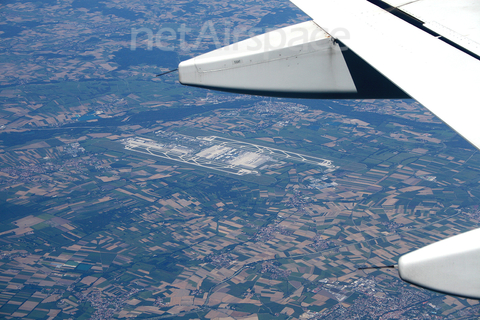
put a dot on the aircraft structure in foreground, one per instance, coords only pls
(428, 50)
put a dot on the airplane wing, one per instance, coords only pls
(425, 49)
(434, 72)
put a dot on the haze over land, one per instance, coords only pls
(221, 205)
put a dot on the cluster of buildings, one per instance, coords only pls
(268, 233)
(222, 260)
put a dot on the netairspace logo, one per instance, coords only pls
(169, 39)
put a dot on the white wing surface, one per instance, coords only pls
(439, 76)
(457, 21)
